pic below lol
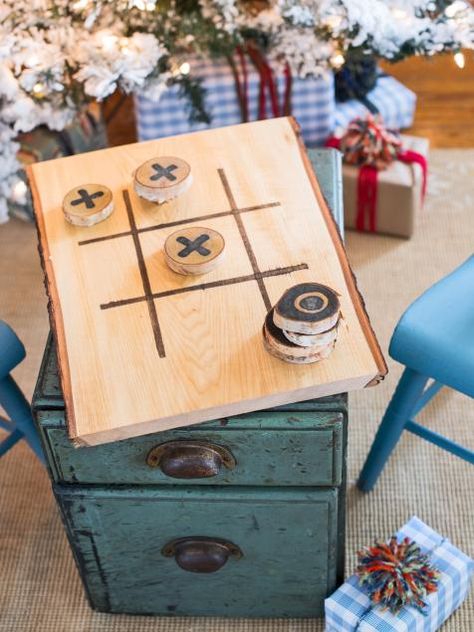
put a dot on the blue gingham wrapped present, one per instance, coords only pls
(393, 101)
(313, 103)
(349, 609)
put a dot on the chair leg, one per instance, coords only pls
(10, 441)
(406, 395)
(19, 411)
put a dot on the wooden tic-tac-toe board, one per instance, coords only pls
(142, 348)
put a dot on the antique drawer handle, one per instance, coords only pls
(190, 459)
(200, 554)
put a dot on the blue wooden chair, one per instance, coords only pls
(20, 423)
(434, 339)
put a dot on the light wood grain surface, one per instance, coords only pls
(187, 355)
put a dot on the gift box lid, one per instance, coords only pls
(143, 349)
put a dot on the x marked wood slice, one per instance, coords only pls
(163, 178)
(313, 340)
(88, 204)
(307, 308)
(194, 250)
(279, 346)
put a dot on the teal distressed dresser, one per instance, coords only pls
(242, 516)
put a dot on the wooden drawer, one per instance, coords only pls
(268, 448)
(286, 539)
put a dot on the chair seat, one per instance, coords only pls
(435, 336)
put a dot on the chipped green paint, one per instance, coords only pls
(283, 504)
(282, 452)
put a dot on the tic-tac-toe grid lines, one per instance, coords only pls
(150, 297)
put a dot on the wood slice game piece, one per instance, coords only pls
(194, 250)
(88, 204)
(142, 349)
(162, 179)
(278, 345)
(313, 340)
(307, 308)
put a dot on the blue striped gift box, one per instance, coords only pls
(313, 103)
(349, 609)
(394, 102)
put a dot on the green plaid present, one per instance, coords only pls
(86, 133)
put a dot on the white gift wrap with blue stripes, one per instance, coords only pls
(312, 99)
(394, 102)
(313, 104)
(349, 608)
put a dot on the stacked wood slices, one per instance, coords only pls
(302, 327)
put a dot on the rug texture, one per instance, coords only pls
(40, 589)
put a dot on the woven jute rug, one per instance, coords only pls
(40, 589)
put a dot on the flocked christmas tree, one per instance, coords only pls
(56, 55)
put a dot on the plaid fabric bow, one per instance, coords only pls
(368, 142)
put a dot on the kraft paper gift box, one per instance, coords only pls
(349, 609)
(399, 193)
(312, 102)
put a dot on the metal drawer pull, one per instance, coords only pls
(190, 459)
(201, 554)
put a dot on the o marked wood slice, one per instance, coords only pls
(307, 308)
(279, 346)
(163, 178)
(194, 250)
(313, 340)
(88, 204)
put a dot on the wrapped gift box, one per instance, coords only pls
(399, 193)
(350, 609)
(312, 99)
(86, 133)
(391, 99)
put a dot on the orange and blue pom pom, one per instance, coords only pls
(397, 574)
